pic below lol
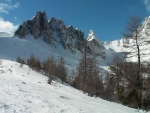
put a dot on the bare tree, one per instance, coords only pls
(62, 69)
(132, 30)
(73, 78)
(51, 66)
(21, 61)
(84, 62)
(89, 81)
(34, 63)
(48, 68)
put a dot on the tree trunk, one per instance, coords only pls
(139, 79)
(85, 62)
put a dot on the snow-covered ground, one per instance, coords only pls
(23, 90)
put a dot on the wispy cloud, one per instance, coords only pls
(5, 7)
(147, 4)
(6, 26)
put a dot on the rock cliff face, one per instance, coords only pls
(55, 31)
(94, 46)
(38, 27)
(70, 38)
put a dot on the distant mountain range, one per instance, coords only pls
(44, 37)
(54, 30)
(128, 45)
(28, 90)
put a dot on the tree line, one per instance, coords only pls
(129, 82)
(49, 67)
(125, 85)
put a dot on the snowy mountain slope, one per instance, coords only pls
(26, 91)
(12, 47)
(113, 46)
(128, 45)
(143, 42)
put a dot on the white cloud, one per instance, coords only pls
(147, 4)
(6, 26)
(5, 7)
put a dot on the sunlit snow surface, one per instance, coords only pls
(23, 90)
(12, 47)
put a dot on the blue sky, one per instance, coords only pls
(107, 18)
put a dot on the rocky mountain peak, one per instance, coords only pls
(70, 27)
(56, 24)
(54, 31)
(41, 20)
(95, 47)
(91, 36)
(37, 27)
(40, 16)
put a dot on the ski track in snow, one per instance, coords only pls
(26, 91)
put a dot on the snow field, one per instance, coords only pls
(26, 91)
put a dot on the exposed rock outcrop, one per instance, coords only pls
(38, 27)
(55, 31)
(94, 46)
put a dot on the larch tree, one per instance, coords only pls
(84, 62)
(133, 31)
(62, 70)
(50, 66)
(87, 78)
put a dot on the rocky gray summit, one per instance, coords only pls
(55, 31)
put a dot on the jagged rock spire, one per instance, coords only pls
(55, 31)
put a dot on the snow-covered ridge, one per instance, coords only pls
(127, 45)
(117, 45)
(26, 91)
